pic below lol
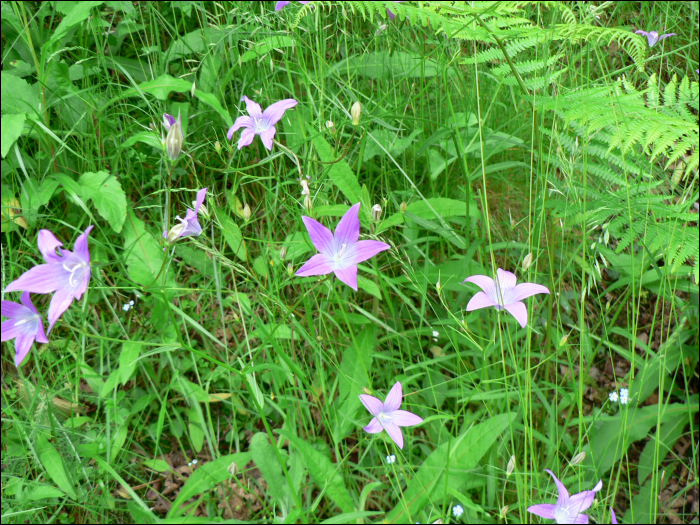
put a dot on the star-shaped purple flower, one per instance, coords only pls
(387, 415)
(24, 326)
(568, 509)
(280, 5)
(503, 293)
(340, 253)
(653, 37)
(189, 226)
(259, 122)
(66, 273)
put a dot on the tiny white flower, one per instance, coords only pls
(624, 396)
(457, 510)
(131, 303)
(391, 459)
(126, 307)
(613, 397)
(436, 333)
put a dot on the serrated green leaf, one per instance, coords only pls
(670, 431)
(17, 96)
(128, 360)
(80, 12)
(12, 126)
(144, 255)
(267, 461)
(53, 463)
(107, 194)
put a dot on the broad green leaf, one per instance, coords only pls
(282, 331)
(40, 491)
(197, 41)
(612, 435)
(17, 96)
(10, 212)
(210, 100)
(384, 65)
(331, 210)
(265, 46)
(159, 465)
(353, 375)
(327, 475)
(390, 141)
(128, 360)
(107, 194)
(12, 126)
(207, 477)
(369, 286)
(233, 235)
(265, 457)
(162, 86)
(53, 463)
(296, 245)
(195, 427)
(80, 12)
(340, 172)
(260, 266)
(147, 137)
(465, 452)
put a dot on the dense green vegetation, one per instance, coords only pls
(183, 372)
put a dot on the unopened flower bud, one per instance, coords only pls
(217, 146)
(174, 140)
(194, 88)
(290, 269)
(503, 512)
(308, 206)
(175, 232)
(511, 466)
(283, 253)
(304, 187)
(366, 390)
(563, 340)
(246, 212)
(402, 207)
(376, 212)
(330, 126)
(578, 458)
(527, 261)
(356, 113)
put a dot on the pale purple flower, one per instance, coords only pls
(168, 121)
(189, 226)
(24, 326)
(340, 253)
(389, 13)
(653, 37)
(503, 293)
(568, 509)
(175, 138)
(66, 273)
(280, 5)
(613, 518)
(259, 122)
(387, 415)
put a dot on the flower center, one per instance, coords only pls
(564, 515)
(75, 268)
(261, 125)
(21, 322)
(339, 255)
(381, 416)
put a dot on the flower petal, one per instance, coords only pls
(40, 334)
(373, 405)
(506, 279)
(543, 510)
(27, 302)
(60, 302)
(666, 35)
(23, 344)
(280, 5)
(81, 245)
(247, 136)
(390, 14)
(192, 227)
(9, 329)
(404, 418)
(348, 230)
(319, 264)
(241, 122)
(43, 278)
(168, 120)
(480, 300)
(561, 489)
(254, 109)
(348, 275)
(393, 398)
(367, 249)
(583, 500)
(394, 433)
(201, 195)
(48, 243)
(274, 112)
(321, 237)
(487, 284)
(11, 309)
(524, 290)
(267, 136)
(519, 311)
(374, 427)
(613, 518)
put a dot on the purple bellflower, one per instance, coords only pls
(66, 273)
(280, 5)
(653, 37)
(189, 226)
(568, 509)
(259, 122)
(503, 293)
(387, 415)
(340, 253)
(24, 326)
